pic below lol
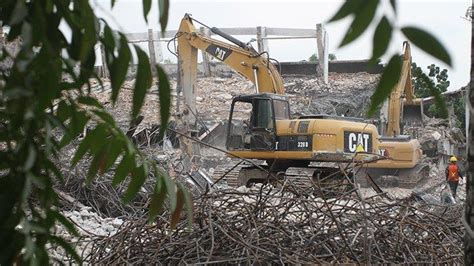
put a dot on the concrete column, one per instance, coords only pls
(262, 42)
(323, 54)
(326, 57)
(158, 50)
(151, 51)
(104, 72)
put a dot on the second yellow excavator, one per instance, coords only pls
(260, 125)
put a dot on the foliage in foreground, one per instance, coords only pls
(46, 93)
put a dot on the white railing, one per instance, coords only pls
(262, 36)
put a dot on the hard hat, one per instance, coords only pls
(453, 159)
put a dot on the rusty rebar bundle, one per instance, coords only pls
(288, 225)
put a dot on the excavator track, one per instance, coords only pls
(307, 179)
(227, 174)
(402, 178)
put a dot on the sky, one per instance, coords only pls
(443, 19)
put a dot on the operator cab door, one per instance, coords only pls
(252, 125)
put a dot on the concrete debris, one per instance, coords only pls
(437, 138)
(89, 226)
(346, 94)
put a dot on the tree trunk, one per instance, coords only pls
(468, 240)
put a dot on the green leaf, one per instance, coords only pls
(382, 36)
(53, 170)
(65, 221)
(157, 199)
(19, 13)
(389, 79)
(188, 203)
(118, 71)
(176, 214)
(142, 81)
(91, 101)
(164, 6)
(97, 164)
(170, 186)
(123, 169)
(139, 176)
(362, 20)
(108, 39)
(146, 9)
(31, 158)
(164, 92)
(105, 116)
(393, 3)
(67, 247)
(439, 101)
(428, 43)
(75, 127)
(88, 33)
(112, 4)
(96, 134)
(115, 149)
(346, 9)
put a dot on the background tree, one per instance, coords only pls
(441, 83)
(437, 76)
(46, 102)
(314, 58)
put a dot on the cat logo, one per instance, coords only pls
(218, 52)
(357, 142)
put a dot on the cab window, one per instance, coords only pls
(263, 114)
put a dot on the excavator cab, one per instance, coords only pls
(252, 121)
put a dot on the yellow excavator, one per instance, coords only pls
(260, 125)
(402, 107)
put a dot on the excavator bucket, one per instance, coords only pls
(412, 114)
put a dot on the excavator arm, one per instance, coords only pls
(403, 106)
(240, 57)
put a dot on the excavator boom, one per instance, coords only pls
(403, 106)
(241, 58)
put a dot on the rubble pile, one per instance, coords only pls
(437, 137)
(345, 94)
(122, 109)
(89, 226)
(283, 225)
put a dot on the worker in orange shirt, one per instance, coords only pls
(453, 174)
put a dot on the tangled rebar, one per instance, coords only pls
(280, 225)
